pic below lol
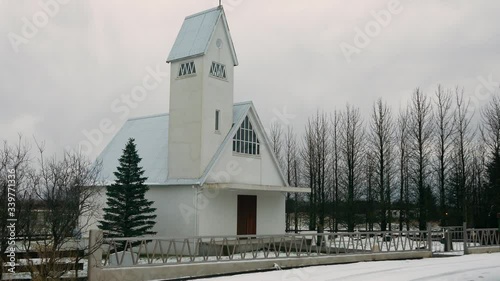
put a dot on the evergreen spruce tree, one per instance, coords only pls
(128, 212)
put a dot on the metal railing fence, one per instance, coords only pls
(483, 237)
(156, 250)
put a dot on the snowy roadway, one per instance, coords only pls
(482, 267)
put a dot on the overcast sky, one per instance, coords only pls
(62, 78)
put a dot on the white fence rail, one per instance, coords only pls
(154, 250)
(139, 251)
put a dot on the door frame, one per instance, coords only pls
(246, 214)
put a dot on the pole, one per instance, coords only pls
(95, 254)
(429, 237)
(465, 237)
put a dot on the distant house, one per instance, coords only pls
(209, 164)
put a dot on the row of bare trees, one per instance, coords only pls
(432, 160)
(53, 197)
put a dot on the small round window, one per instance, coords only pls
(219, 43)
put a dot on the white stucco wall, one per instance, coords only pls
(175, 210)
(185, 121)
(90, 220)
(218, 212)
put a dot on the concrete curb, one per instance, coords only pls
(483, 250)
(165, 272)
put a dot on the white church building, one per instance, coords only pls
(210, 168)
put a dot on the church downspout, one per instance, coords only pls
(196, 222)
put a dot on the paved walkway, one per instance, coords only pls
(481, 267)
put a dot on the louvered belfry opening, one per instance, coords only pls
(218, 70)
(187, 68)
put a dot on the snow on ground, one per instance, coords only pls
(483, 267)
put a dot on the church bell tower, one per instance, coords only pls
(202, 62)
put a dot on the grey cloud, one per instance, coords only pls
(64, 80)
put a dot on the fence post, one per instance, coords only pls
(95, 254)
(448, 240)
(465, 237)
(429, 236)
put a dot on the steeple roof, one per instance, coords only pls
(196, 34)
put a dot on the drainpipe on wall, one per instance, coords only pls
(197, 190)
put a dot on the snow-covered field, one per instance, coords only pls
(484, 267)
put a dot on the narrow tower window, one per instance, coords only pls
(217, 116)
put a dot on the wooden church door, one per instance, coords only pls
(247, 215)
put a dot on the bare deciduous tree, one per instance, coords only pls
(421, 130)
(276, 136)
(444, 125)
(336, 122)
(381, 145)
(370, 193)
(290, 162)
(490, 129)
(403, 144)
(55, 201)
(309, 160)
(67, 189)
(352, 151)
(14, 161)
(316, 155)
(461, 156)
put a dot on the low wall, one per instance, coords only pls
(165, 272)
(483, 250)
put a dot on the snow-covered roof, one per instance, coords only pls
(196, 34)
(151, 138)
